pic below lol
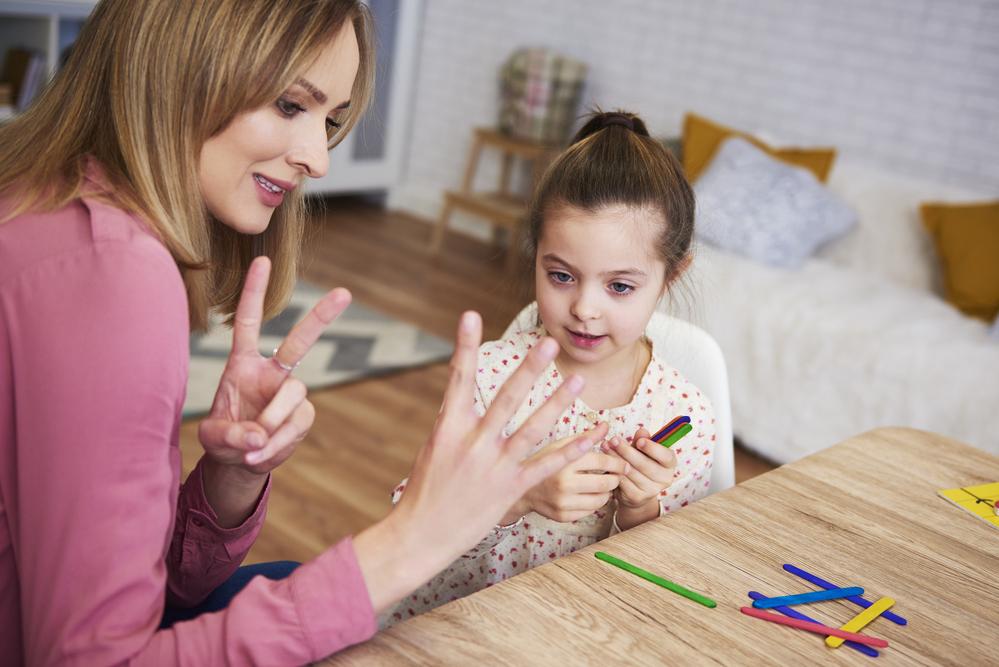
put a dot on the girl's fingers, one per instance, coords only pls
(640, 462)
(305, 334)
(664, 456)
(512, 394)
(289, 396)
(594, 483)
(250, 310)
(458, 396)
(539, 468)
(630, 488)
(284, 438)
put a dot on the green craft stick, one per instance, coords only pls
(648, 576)
(679, 433)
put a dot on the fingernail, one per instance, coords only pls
(584, 445)
(575, 383)
(255, 440)
(468, 321)
(549, 348)
(255, 457)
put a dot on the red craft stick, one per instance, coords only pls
(817, 628)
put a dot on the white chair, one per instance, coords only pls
(692, 351)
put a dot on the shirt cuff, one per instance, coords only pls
(202, 521)
(332, 600)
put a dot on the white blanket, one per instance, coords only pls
(822, 353)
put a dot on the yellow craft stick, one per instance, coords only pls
(860, 621)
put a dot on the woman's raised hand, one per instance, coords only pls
(468, 474)
(260, 411)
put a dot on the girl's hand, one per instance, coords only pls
(576, 490)
(260, 412)
(652, 469)
(467, 475)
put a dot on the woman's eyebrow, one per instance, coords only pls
(319, 95)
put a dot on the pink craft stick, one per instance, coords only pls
(817, 628)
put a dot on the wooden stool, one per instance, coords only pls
(503, 209)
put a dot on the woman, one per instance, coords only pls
(155, 176)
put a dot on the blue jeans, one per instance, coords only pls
(221, 597)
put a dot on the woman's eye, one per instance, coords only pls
(621, 288)
(288, 108)
(332, 125)
(559, 276)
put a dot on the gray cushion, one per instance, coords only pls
(753, 204)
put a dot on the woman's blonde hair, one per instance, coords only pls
(146, 84)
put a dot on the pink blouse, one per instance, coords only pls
(96, 531)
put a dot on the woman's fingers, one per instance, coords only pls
(458, 396)
(305, 334)
(289, 396)
(283, 440)
(512, 394)
(250, 310)
(220, 435)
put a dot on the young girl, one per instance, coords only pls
(610, 233)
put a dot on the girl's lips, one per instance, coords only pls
(585, 341)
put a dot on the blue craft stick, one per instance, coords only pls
(857, 600)
(805, 598)
(787, 611)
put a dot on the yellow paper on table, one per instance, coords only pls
(979, 500)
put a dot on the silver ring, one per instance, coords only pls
(285, 367)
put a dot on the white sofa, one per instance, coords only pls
(859, 337)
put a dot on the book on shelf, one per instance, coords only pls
(24, 69)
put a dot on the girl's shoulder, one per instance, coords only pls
(498, 359)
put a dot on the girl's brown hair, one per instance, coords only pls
(613, 160)
(146, 84)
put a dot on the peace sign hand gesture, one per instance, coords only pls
(260, 411)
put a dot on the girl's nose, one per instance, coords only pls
(585, 307)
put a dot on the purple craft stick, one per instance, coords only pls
(787, 611)
(855, 599)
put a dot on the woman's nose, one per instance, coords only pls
(311, 154)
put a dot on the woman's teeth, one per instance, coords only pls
(267, 184)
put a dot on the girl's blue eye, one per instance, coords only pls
(559, 276)
(621, 288)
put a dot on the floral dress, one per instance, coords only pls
(662, 394)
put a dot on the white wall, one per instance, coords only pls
(912, 85)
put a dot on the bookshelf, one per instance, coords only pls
(42, 27)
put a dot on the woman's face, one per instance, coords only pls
(245, 170)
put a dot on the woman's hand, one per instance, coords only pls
(575, 491)
(467, 475)
(652, 469)
(260, 411)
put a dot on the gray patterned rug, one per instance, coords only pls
(361, 343)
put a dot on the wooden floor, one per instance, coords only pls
(367, 433)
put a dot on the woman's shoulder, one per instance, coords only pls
(81, 236)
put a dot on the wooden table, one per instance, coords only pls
(864, 513)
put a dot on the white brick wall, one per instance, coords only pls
(912, 85)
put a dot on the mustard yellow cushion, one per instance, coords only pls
(701, 138)
(967, 242)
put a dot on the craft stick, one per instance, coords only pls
(659, 581)
(806, 598)
(857, 600)
(670, 427)
(679, 433)
(859, 621)
(817, 628)
(787, 611)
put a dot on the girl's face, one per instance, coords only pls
(246, 170)
(598, 279)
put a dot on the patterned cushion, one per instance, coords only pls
(752, 204)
